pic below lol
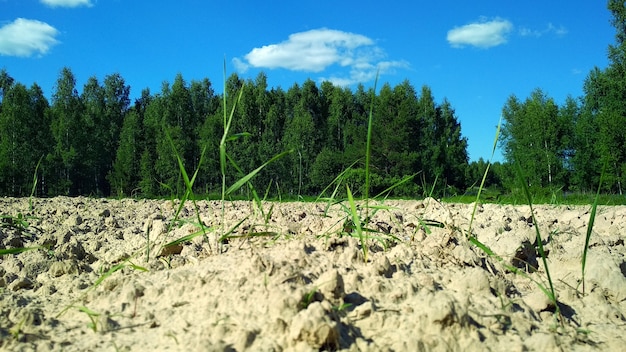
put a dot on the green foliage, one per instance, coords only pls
(605, 91)
(22, 114)
(607, 113)
(327, 165)
(564, 147)
(533, 137)
(95, 143)
(126, 168)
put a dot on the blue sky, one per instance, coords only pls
(475, 54)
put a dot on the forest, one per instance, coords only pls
(97, 142)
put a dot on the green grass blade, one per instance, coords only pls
(399, 183)
(523, 184)
(222, 146)
(35, 181)
(242, 181)
(185, 238)
(227, 122)
(255, 195)
(267, 190)
(592, 218)
(236, 136)
(188, 182)
(255, 234)
(88, 311)
(485, 249)
(357, 223)
(108, 273)
(18, 250)
(368, 144)
(508, 267)
(225, 135)
(377, 207)
(138, 267)
(232, 229)
(188, 186)
(337, 181)
(432, 189)
(482, 182)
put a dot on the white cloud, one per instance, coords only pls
(527, 32)
(240, 66)
(318, 49)
(560, 30)
(550, 29)
(482, 34)
(366, 72)
(24, 37)
(67, 3)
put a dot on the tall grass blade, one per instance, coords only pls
(242, 181)
(35, 181)
(222, 147)
(232, 229)
(368, 145)
(255, 195)
(357, 223)
(337, 181)
(399, 183)
(432, 189)
(592, 218)
(225, 136)
(184, 239)
(188, 184)
(482, 182)
(18, 250)
(508, 267)
(542, 253)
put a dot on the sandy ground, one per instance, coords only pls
(299, 285)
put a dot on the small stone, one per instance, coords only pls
(73, 249)
(383, 267)
(538, 301)
(74, 220)
(331, 285)
(60, 268)
(107, 324)
(314, 327)
(21, 284)
(364, 310)
(171, 250)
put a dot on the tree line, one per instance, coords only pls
(95, 142)
(575, 146)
